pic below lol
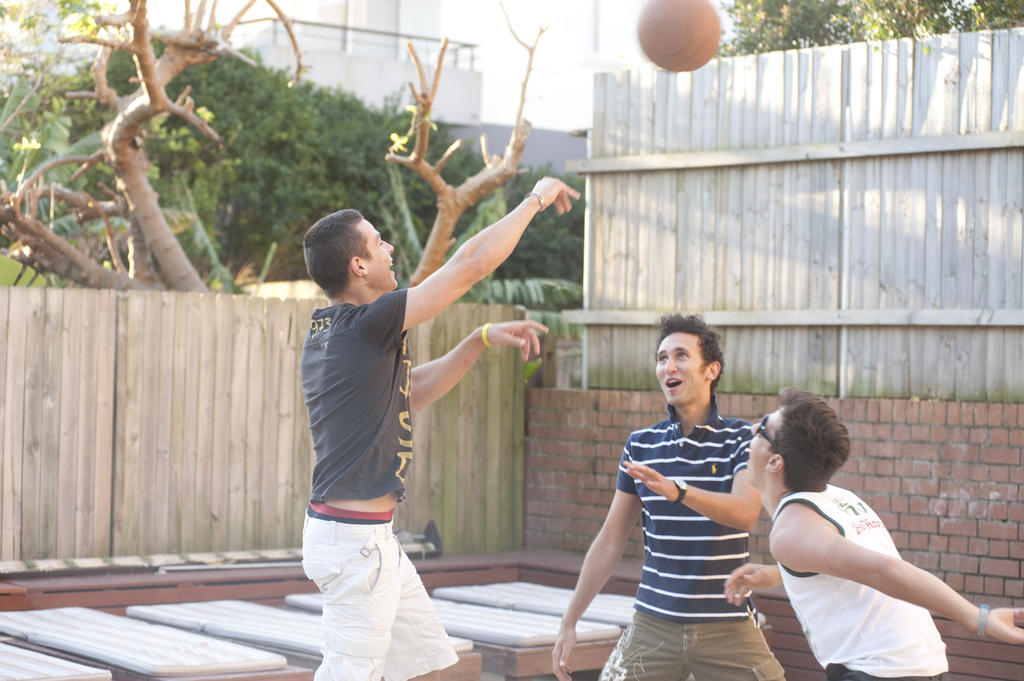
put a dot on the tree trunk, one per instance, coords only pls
(140, 262)
(126, 154)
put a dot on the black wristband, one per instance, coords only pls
(682, 493)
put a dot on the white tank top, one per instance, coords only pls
(854, 625)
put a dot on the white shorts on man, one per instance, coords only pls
(378, 620)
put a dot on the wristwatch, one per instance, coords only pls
(682, 487)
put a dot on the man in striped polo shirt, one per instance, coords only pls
(686, 477)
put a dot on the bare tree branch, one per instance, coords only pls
(185, 111)
(47, 166)
(184, 96)
(44, 250)
(230, 28)
(400, 160)
(96, 40)
(81, 94)
(95, 158)
(437, 69)
(104, 93)
(419, 71)
(508, 22)
(88, 208)
(107, 190)
(145, 58)
(197, 20)
(453, 201)
(299, 68)
(229, 51)
(448, 153)
(484, 152)
(420, 124)
(212, 24)
(115, 254)
(530, 49)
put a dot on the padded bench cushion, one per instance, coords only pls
(18, 664)
(134, 645)
(485, 624)
(550, 600)
(514, 628)
(247, 622)
(307, 602)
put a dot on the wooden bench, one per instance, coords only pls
(116, 589)
(516, 664)
(12, 597)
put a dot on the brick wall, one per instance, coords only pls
(946, 477)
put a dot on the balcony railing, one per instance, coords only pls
(316, 36)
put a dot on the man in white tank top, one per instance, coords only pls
(864, 610)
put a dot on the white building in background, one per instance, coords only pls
(359, 45)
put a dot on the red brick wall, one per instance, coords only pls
(946, 477)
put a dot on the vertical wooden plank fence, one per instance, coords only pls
(850, 216)
(157, 422)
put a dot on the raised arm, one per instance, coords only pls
(482, 253)
(805, 542)
(738, 508)
(602, 557)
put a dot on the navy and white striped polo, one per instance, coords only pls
(687, 556)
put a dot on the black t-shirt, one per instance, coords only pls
(356, 378)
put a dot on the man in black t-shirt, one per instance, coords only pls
(360, 388)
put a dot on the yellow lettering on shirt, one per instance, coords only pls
(405, 420)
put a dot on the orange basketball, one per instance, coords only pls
(679, 35)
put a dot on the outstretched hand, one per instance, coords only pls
(652, 479)
(748, 577)
(1004, 624)
(556, 193)
(522, 333)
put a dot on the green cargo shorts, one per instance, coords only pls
(656, 649)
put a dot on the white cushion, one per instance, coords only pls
(515, 628)
(485, 624)
(550, 600)
(18, 664)
(134, 645)
(247, 622)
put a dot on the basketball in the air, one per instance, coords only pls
(679, 35)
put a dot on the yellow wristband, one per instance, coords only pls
(483, 335)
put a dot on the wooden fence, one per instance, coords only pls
(143, 423)
(852, 217)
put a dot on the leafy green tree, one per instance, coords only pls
(156, 257)
(766, 25)
(290, 156)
